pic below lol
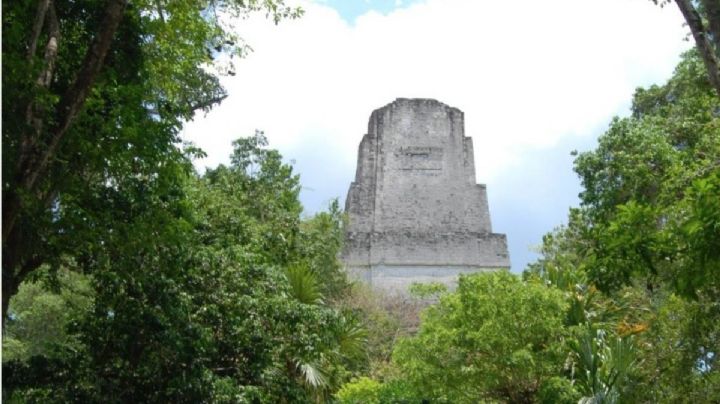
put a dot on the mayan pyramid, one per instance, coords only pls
(415, 211)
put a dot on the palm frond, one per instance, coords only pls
(304, 284)
(313, 374)
(352, 339)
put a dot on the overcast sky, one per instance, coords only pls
(536, 80)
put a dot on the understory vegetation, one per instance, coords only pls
(130, 277)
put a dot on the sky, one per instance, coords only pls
(535, 79)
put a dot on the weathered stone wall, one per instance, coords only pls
(414, 203)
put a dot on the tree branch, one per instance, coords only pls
(51, 49)
(207, 103)
(702, 42)
(44, 79)
(37, 28)
(158, 5)
(75, 96)
(12, 203)
(32, 165)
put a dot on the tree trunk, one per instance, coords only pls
(37, 28)
(704, 46)
(73, 100)
(33, 162)
(15, 270)
(9, 288)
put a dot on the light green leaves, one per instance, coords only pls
(496, 338)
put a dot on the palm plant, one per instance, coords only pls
(304, 285)
(325, 372)
(604, 363)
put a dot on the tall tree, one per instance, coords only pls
(95, 93)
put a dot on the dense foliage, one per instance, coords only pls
(472, 346)
(41, 314)
(650, 190)
(201, 302)
(94, 96)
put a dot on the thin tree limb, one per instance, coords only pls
(161, 14)
(44, 78)
(207, 103)
(51, 49)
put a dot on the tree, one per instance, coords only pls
(495, 338)
(687, 372)
(193, 299)
(41, 313)
(94, 96)
(364, 390)
(651, 190)
(646, 234)
(619, 341)
(322, 235)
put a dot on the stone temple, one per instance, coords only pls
(415, 211)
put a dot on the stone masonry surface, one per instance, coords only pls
(415, 211)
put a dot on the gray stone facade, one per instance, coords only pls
(416, 213)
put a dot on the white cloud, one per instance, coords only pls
(526, 73)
